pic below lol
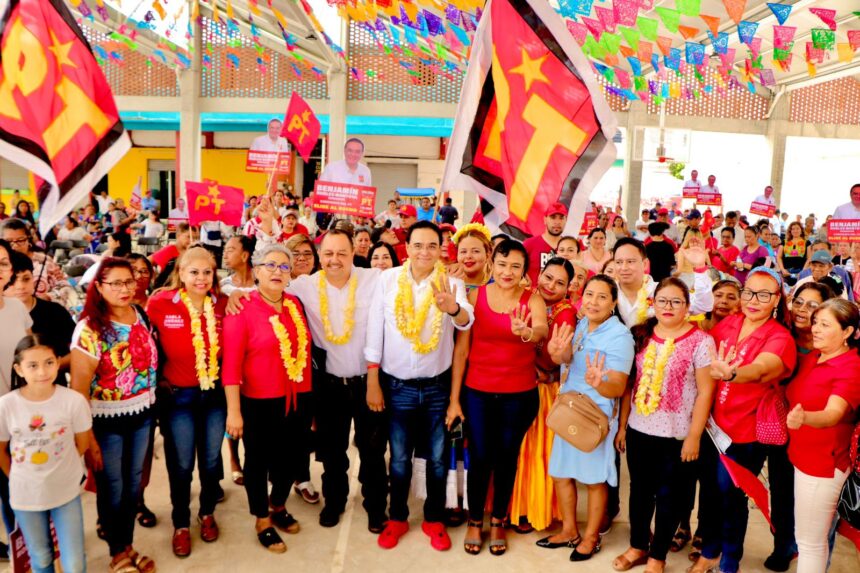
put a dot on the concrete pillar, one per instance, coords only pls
(190, 134)
(776, 138)
(336, 114)
(631, 192)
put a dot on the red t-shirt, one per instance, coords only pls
(400, 248)
(818, 451)
(539, 253)
(736, 403)
(171, 318)
(731, 255)
(161, 257)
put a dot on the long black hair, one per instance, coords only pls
(642, 333)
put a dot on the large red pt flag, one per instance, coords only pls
(209, 201)
(58, 117)
(301, 126)
(532, 126)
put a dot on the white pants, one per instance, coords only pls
(814, 508)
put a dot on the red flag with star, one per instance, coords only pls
(301, 126)
(532, 127)
(209, 201)
(58, 118)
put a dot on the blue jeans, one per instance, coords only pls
(734, 508)
(193, 424)
(68, 523)
(417, 410)
(496, 424)
(124, 441)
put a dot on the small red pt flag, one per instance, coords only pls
(58, 118)
(208, 201)
(301, 126)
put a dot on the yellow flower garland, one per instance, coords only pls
(482, 229)
(411, 322)
(653, 371)
(295, 366)
(642, 302)
(348, 312)
(206, 374)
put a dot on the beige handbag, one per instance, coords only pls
(579, 421)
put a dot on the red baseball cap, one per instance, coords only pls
(556, 209)
(448, 227)
(663, 211)
(408, 210)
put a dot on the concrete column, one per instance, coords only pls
(776, 138)
(336, 114)
(190, 135)
(631, 192)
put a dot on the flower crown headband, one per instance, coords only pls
(479, 228)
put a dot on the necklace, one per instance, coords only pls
(206, 374)
(409, 320)
(294, 365)
(642, 305)
(269, 300)
(653, 372)
(348, 311)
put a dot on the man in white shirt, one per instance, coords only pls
(348, 169)
(767, 198)
(732, 221)
(710, 187)
(415, 360)
(104, 202)
(850, 210)
(272, 141)
(179, 213)
(389, 214)
(641, 227)
(693, 181)
(340, 384)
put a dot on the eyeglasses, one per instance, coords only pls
(21, 241)
(303, 255)
(799, 303)
(763, 296)
(142, 273)
(118, 286)
(674, 303)
(272, 267)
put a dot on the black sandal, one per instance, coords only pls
(285, 521)
(473, 546)
(269, 538)
(455, 517)
(145, 517)
(523, 527)
(498, 547)
(682, 537)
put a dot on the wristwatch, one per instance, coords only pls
(734, 375)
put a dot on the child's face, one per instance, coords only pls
(38, 366)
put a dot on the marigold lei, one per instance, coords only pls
(653, 372)
(348, 312)
(409, 321)
(206, 375)
(642, 305)
(295, 366)
(482, 229)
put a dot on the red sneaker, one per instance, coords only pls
(392, 533)
(438, 535)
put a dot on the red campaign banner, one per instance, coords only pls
(690, 192)
(709, 199)
(588, 223)
(345, 198)
(843, 230)
(763, 209)
(264, 162)
(209, 201)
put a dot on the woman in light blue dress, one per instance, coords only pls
(600, 356)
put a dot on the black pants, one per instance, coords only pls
(495, 427)
(657, 474)
(269, 436)
(304, 417)
(780, 474)
(339, 401)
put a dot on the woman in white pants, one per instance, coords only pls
(823, 397)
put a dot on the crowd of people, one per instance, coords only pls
(448, 349)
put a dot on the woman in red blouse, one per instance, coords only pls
(188, 314)
(755, 352)
(266, 363)
(823, 397)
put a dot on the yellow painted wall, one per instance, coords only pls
(123, 177)
(227, 166)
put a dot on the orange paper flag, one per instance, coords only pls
(735, 9)
(665, 44)
(713, 23)
(627, 52)
(688, 31)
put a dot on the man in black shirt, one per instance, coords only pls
(660, 253)
(448, 213)
(50, 319)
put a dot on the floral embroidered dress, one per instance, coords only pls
(125, 378)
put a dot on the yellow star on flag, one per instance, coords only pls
(61, 51)
(530, 69)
